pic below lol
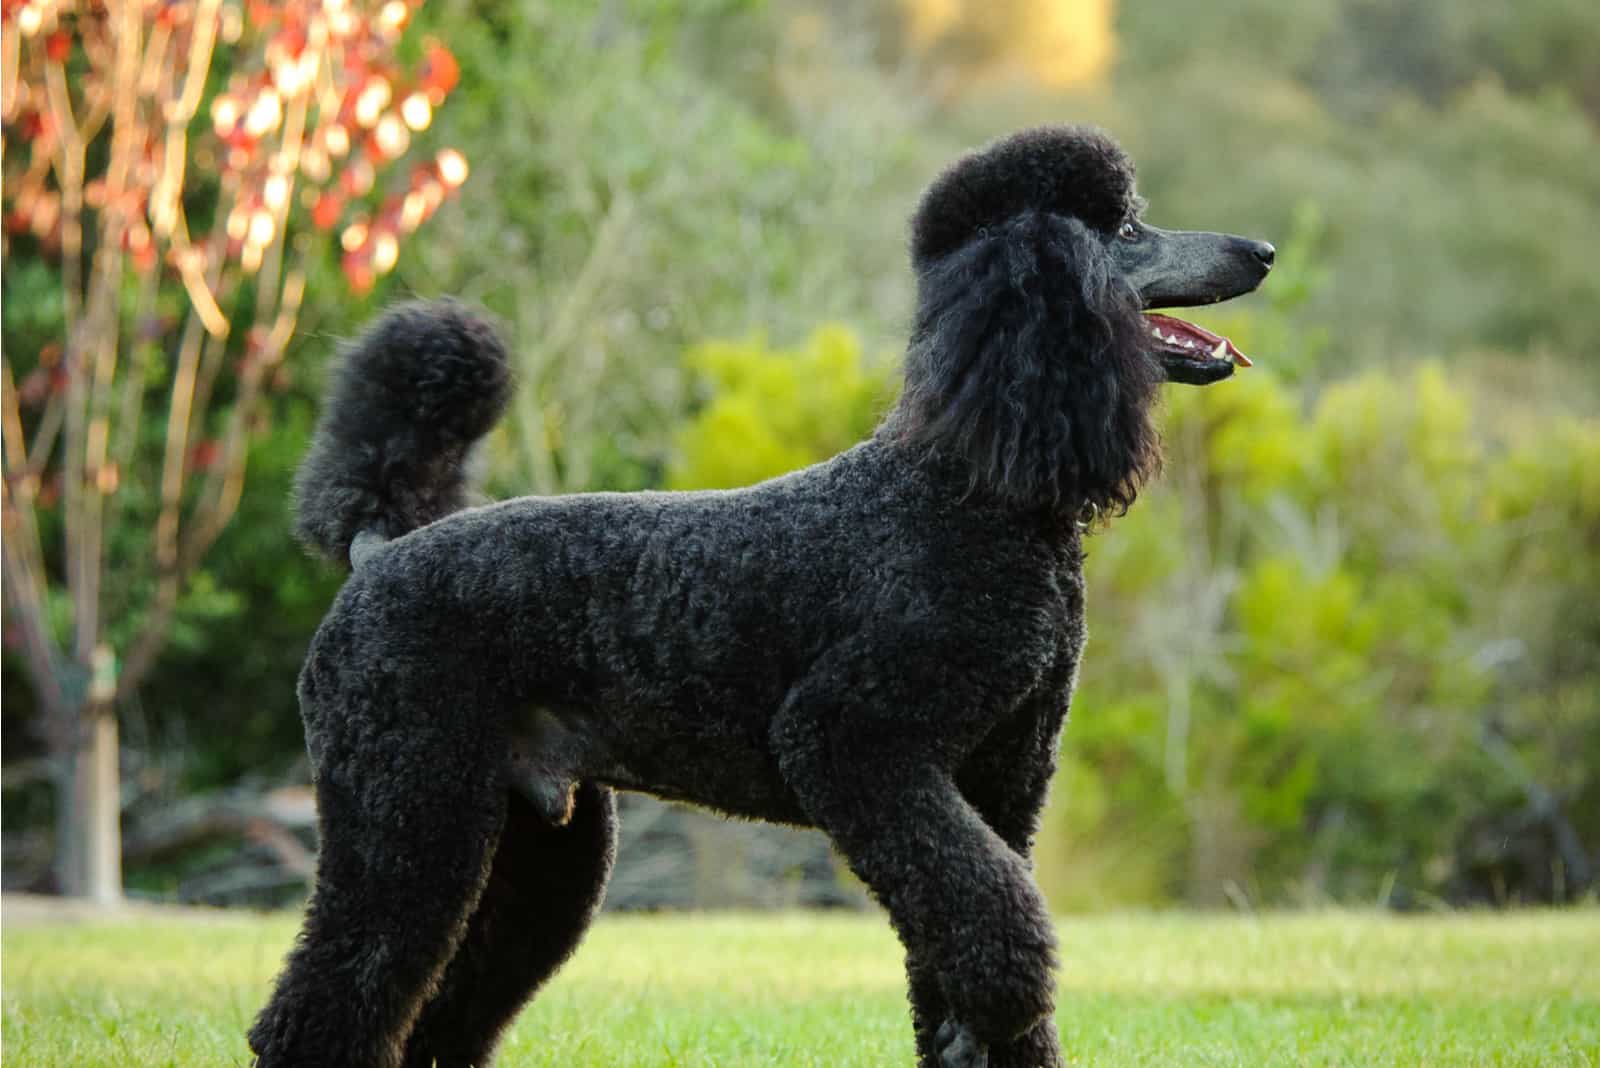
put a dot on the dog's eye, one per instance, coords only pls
(1128, 231)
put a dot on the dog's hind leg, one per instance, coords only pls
(409, 819)
(544, 888)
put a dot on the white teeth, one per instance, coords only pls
(1155, 330)
(1221, 351)
(1188, 344)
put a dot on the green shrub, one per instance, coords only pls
(771, 411)
(1346, 610)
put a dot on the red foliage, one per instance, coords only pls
(290, 59)
(203, 456)
(439, 73)
(325, 213)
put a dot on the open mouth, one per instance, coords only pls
(1190, 353)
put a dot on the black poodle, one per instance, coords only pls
(882, 646)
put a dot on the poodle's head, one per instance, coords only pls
(1031, 359)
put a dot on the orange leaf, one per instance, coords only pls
(440, 72)
(325, 215)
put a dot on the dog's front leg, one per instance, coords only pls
(866, 765)
(1007, 780)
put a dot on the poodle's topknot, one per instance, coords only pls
(1076, 171)
(409, 399)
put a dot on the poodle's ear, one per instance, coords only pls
(1026, 365)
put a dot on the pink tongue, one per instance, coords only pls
(1171, 326)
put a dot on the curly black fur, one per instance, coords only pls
(1069, 171)
(882, 646)
(1026, 358)
(1027, 363)
(409, 399)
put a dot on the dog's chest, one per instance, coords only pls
(1070, 628)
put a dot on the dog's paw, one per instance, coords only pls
(959, 1048)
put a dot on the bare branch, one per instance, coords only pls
(27, 611)
(22, 483)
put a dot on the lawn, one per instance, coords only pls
(1319, 989)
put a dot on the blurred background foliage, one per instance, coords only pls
(1347, 649)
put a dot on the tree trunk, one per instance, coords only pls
(89, 817)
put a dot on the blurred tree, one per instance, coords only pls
(124, 219)
(646, 206)
(1058, 43)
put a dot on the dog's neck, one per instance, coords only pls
(951, 479)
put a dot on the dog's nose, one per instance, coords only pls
(1264, 252)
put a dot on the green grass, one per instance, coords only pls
(801, 989)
